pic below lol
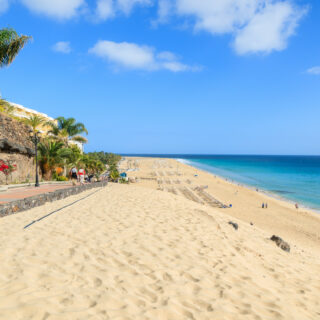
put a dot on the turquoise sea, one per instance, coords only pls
(295, 178)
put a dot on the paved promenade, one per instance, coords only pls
(26, 192)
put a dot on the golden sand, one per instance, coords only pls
(134, 252)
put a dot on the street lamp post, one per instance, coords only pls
(35, 138)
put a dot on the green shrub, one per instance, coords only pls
(61, 178)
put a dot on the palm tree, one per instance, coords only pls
(68, 129)
(75, 158)
(10, 45)
(51, 155)
(34, 122)
(93, 166)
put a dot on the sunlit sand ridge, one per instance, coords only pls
(131, 252)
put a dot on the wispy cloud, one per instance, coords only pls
(60, 9)
(104, 10)
(4, 5)
(138, 57)
(314, 70)
(126, 6)
(62, 47)
(257, 25)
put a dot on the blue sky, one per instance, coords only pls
(173, 76)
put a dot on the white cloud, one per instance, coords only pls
(165, 8)
(167, 55)
(62, 47)
(4, 5)
(314, 70)
(268, 30)
(125, 54)
(137, 57)
(218, 16)
(127, 5)
(60, 9)
(105, 9)
(257, 25)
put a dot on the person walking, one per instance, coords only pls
(263, 205)
(81, 173)
(74, 175)
(266, 206)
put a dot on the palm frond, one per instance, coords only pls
(79, 139)
(10, 45)
(34, 122)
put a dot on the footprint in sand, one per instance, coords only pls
(167, 277)
(97, 282)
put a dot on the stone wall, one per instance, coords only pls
(16, 147)
(39, 200)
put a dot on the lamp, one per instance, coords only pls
(35, 137)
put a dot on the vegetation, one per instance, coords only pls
(7, 168)
(51, 155)
(34, 122)
(6, 108)
(61, 178)
(57, 155)
(111, 160)
(67, 129)
(56, 152)
(10, 45)
(106, 158)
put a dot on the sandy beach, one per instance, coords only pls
(161, 248)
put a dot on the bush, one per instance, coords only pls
(114, 175)
(61, 178)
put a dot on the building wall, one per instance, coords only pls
(16, 147)
(25, 113)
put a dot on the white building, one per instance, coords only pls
(24, 113)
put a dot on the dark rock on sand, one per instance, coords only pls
(235, 225)
(280, 243)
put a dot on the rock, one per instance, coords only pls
(235, 225)
(280, 243)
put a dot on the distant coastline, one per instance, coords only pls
(271, 194)
(295, 179)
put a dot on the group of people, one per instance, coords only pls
(264, 205)
(78, 175)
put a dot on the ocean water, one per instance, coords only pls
(295, 178)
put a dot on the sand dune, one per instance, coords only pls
(129, 252)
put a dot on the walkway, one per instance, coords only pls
(30, 191)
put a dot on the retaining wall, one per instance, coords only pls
(39, 200)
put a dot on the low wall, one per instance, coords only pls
(39, 200)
